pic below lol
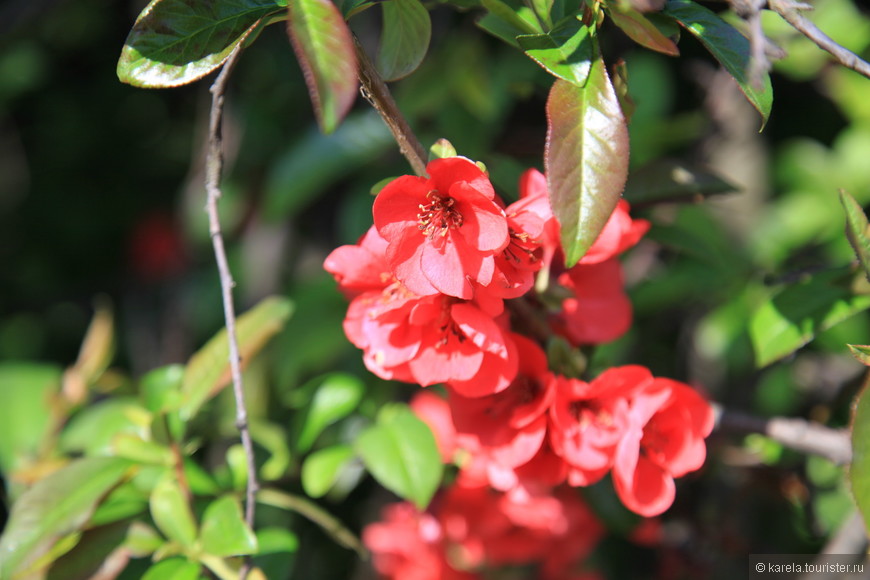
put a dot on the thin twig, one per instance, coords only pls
(790, 11)
(376, 92)
(798, 434)
(213, 169)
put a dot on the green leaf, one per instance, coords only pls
(160, 388)
(405, 38)
(277, 547)
(57, 505)
(565, 53)
(173, 569)
(586, 158)
(175, 42)
(208, 370)
(273, 439)
(90, 553)
(856, 230)
(171, 512)
(441, 149)
(317, 160)
(670, 180)
(224, 531)
(325, 50)
(335, 398)
(92, 430)
(642, 30)
(729, 47)
(859, 471)
(506, 21)
(861, 352)
(791, 318)
(321, 468)
(400, 452)
(25, 417)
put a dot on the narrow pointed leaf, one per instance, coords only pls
(405, 38)
(56, 505)
(859, 470)
(729, 47)
(325, 51)
(643, 31)
(856, 230)
(172, 513)
(565, 53)
(209, 369)
(793, 317)
(224, 531)
(861, 352)
(400, 452)
(586, 158)
(322, 468)
(668, 180)
(175, 42)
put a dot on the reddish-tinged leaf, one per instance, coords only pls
(861, 352)
(325, 50)
(857, 230)
(641, 30)
(586, 158)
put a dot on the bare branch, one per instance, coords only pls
(790, 11)
(797, 434)
(375, 91)
(213, 170)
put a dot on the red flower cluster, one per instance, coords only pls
(469, 529)
(427, 286)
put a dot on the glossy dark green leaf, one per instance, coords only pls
(175, 42)
(208, 370)
(171, 512)
(670, 180)
(405, 38)
(351, 7)
(857, 230)
(325, 50)
(337, 395)
(224, 531)
(792, 317)
(25, 416)
(565, 53)
(507, 20)
(586, 158)
(729, 47)
(399, 450)
(859, 470)
(59, 504)
(321, 468)
(642, 30)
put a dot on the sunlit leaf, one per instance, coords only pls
(224, 531)
(586, 158)
(856, 230)
(95, 355)
(171, 512)
(325, 51)
(506, 21)
(642, 30)
(566, 52)
(859, 471)
(729, 47)
(208, 370)
(56, 505)
(175, 42)
(400, 452)
(173, 569)
(26, 391)
(337, 395)
(861, 352)
(667, 180)
(321, 468)
(92, 430)
(792, 317)
(405, 38)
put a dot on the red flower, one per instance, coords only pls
(600, 310)
(442, 231)
(669, 421)
(361, 267)
(620, 233)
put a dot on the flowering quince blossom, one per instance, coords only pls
(444, 231)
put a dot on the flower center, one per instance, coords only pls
(438, 216)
